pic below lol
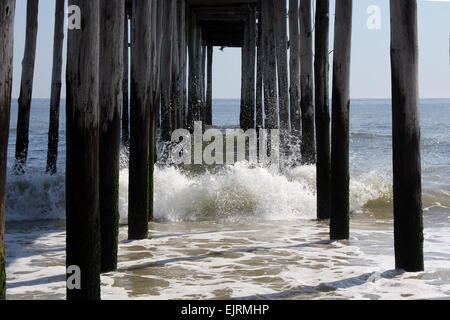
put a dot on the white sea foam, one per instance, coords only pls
(241, 192)
(238, 192)
(247, 261)
(195, 257)
(35, 196)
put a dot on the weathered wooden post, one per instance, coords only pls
(253, 33)
(182, 58)
(340, 175)
(111, 99)
(209, 86)
(247, 116)
(195, 103)
(166, 71)
(175, 92)
(139, 125)
(259, 72)
(159, 39)
(126, 81)
(157, 24)
(7, 11)
(282, 66)
(26, 86)
(408, 214)
(307, 83)
(192, 71)
(200, 75)
(82, 159)
(269, 65)
(244, 109)
(203, 80)
(151, 115)
(53, 131)
(294, 66)
(321, 65)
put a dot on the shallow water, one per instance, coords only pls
(258, 260)
(243, 232)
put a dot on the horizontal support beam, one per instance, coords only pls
(228, 44)
(223, 13)
(222, 37)
(221, 17)
(220, 2)
(222, 26)
(226, 34)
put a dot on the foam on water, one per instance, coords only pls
(35, 196)
(237, 192)
(275, 251)
(242, 192)
(292, 260)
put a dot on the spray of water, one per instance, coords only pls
(228, 193)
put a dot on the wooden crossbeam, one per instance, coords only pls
(219, 33)
(223, 13)
(220, 2)
(221, 17)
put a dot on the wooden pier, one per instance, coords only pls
(172, 46)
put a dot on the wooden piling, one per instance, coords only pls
(203, 80)
(82, 159)
(282, 66)
(408, 213)
(138, 213)
(191, 69)
(26, 86)
(194, 95)
(294, 67)
(166, 72)
(247, 116)
(126, 82)
(111, 99)
(307, 83)
(157, 23)
(53, 131)
(7, 11)
(322, 114)
(151, 115)
(200, 75)
(252, 66)
(259, 72)
(209, 86)
(269, 66)
(182, 59)
(175, 94)
(340, 175)
(244, 109)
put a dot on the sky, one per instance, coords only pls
(370, 66)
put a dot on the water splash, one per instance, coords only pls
(244, 192)
(231, 193)
(35, 196)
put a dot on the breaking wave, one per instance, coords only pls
(238, 192)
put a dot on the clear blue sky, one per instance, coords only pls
(370, 58)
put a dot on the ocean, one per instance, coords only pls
(242, 232)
